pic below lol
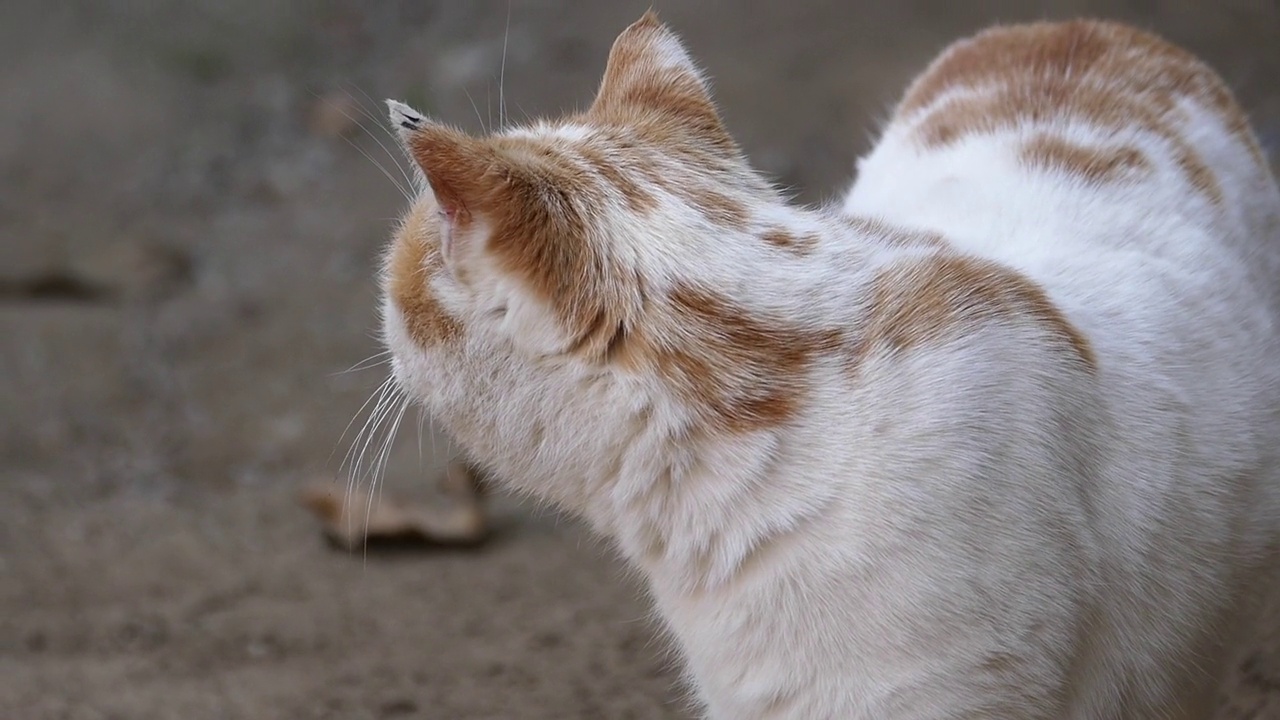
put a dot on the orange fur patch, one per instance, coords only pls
(984, 114)
(1094, 164)
(1006, 55)
(620, 177)
(918, 303)
(680, 173)
(1108, 74)
(415, 259)
(742, 372)
(715, 206)
(893, 236)
(799, 245)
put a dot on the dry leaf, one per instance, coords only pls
(350, 522)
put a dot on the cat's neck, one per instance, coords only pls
(691, 500)
(695, 521)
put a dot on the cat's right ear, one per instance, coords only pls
(649, 74)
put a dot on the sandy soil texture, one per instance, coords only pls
(190, 223)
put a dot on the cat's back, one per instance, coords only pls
(1029, 142)
(1115, 171)
(1112, 176)
(1100, 101)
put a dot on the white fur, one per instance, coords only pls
(977, 528)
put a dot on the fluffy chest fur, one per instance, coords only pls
(994, 439)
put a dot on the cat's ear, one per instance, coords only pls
(457, 168)
(650, 75)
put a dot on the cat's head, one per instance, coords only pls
(534, 256)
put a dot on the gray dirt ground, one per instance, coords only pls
(187, 246)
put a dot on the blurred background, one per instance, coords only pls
(193, 198)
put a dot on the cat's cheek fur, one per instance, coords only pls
(491, 300)
(530, 325)
(410, 365)
(499, 305)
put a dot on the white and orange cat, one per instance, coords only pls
(996, 439)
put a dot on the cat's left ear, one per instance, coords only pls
(650, 76)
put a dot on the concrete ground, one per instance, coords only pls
(188, 235)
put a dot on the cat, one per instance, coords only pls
(994, 438)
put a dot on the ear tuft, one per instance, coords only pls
(648, 20)
(647, 48)
(404, 119)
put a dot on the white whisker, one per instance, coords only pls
(431, 430)
(380, 413)
(378, 468)
(380, 357)
(502, 73)
(377, 393)
(389, 176)
(352, 421)
(479, 119)
(369, 431)
(378, 123)
(422, 416)
(403, 190)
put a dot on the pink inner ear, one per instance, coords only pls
(450, 211)
(448, 224)
(450, 205)
(457, 168)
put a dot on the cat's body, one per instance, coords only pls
(997, 440)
